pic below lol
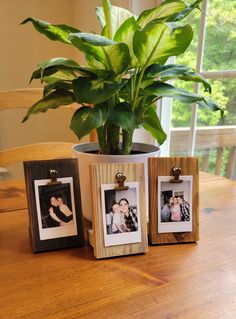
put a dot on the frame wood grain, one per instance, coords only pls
(162, 167)
(105, 174)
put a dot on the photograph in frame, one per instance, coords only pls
(55, 208)
(121, 215)
(175, 205)
(54, 204)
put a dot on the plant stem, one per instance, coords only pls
(138, 87)
(101, 133)
(127, 142)
(113, 139)
(107, 12)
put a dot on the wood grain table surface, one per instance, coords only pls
(183, 281)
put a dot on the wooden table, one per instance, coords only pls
(170, 281)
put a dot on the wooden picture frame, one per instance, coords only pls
(54, 204)
(173, 200)
(114, 242)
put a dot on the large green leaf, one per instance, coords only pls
(61, 62)
(166, 11)
(167, 70)
(56, 68)
(158, 41)
(175, 71)
(211, 104)
(161, 89)
(59, 86)
(122, 116)
(195, 77)
(169, 10)
(94, 91)
(68, 69)
(86, 119)
(51, 101)
(114, 56)
(152, 124)
(125, 34)
(56, 32)
(93, 62)
(183, 14)
(60, 75)
(103, 107)
(118, 16)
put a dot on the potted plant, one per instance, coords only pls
(126, 74)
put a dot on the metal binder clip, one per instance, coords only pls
(120, 178)
(53, 175)
(176, 172)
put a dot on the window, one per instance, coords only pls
(212, 53)
(196, 131)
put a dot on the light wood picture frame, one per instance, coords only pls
(110, 242)
(173, 200)
(54, 204)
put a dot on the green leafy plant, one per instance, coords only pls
(127, 72)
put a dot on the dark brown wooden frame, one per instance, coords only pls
(162, 167)
(38, 170)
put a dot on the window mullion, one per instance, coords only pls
(200, 54)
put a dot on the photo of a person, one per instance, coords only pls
(130, 218)
(175, 210)
(55, 208)
(118, 222)
(121, 214)
(166, 210)
(59, 211)
(185, 209)
(174, 205)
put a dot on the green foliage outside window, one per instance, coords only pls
(219, 54)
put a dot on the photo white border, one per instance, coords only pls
(174, 227)
(61, 231)
(121, 238)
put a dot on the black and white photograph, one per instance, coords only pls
(55, 208)
(121, 214)
(174, 205)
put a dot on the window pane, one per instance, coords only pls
(190, 56)
(220, 41)
(181, 112)
(224, 93)
(216, 136)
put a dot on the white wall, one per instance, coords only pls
(22, 48)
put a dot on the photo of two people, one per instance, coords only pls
(174, 208)
(55, 209)
(121, 215)
(174, 205)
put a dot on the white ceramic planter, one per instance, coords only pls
(86, 155)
